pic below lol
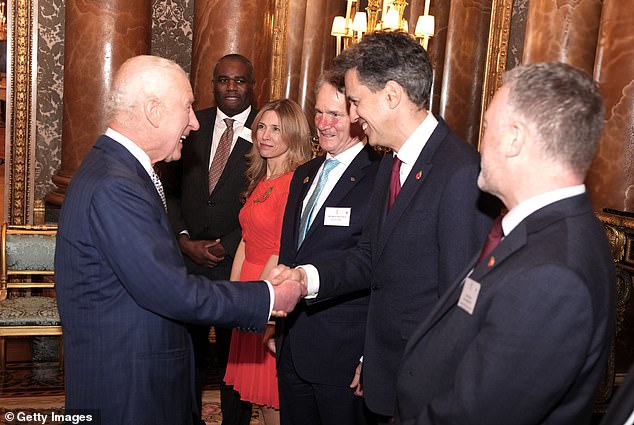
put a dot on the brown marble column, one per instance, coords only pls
(565, 30)
(100, 36)
(465, 61)
(611, 178)
(318, 49)
(294, 42)
(231, 26)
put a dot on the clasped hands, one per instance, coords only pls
(289, 286)
(205, 253)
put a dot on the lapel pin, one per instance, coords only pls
(353, 179)
(419, 175)
(306, 179)
(491, 261)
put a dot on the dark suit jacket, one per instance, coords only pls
(190, 205)
(622, 404)
(411, 255)
(124, 296)
(535, 347)
(326, 339)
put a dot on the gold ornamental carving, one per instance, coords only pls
(497, 52)
(23, 35)
(278, 59)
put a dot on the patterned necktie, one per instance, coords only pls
(395, 182)
(493, 238)
(221, 156)
(159, 188)
(309, 210)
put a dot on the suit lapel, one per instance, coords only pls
(125, 157)
(349, 179)
(511, 243)
(309, 176)
(413, 184)
(240, 149)
(506, 248)
(206, 150)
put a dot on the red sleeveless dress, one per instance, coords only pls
(251, 366)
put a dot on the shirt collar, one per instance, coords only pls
(525, 208)
(133, 148)
(413, 146)
(346, 157)
(240, 118)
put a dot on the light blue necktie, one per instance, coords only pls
(309, 210)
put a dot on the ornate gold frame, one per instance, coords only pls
(497, 52)
(20, 128)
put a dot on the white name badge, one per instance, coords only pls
(245, 133)
(469, 295)
(337, 216)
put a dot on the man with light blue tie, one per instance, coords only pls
(319, 344)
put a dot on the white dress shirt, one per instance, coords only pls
(345, 158)
(239, 129)
(525, 208)
(408, 154)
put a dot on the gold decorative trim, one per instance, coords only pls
(22, 35)
(278, 60)
(497, 52)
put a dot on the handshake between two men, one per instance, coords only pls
(289, 286)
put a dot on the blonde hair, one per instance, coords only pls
(296, 133)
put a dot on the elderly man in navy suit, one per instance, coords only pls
(524, 338)
(425, 219)
(320, 343)
(123, 289)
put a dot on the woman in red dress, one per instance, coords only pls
(282, 142)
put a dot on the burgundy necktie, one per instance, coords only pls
(493, 238)
(395, 181)
(222, 155)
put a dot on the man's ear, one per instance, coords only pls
(393, 93)
(516, 138)
(152, 111)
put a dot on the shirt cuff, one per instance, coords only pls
(312, 280)
(271, 297)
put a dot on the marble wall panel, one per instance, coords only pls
(171, 38)
(564, 30)
(611, 178)
(50, 90)
(464, 67)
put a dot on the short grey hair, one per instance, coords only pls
(563, 105)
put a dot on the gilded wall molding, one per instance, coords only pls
(497, 52)
(278, 58)
(19, 118)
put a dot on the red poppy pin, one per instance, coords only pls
(419, 175)
(491, 261)
(306, 179)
